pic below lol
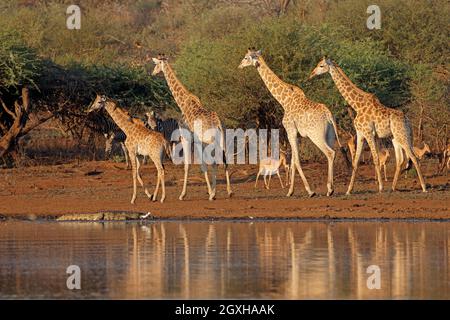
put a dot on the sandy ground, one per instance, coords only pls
(89, 187)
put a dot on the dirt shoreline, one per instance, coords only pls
(49, 192)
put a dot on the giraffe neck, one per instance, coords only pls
(277, 87)
(120, 117)
(179, 91)
(351, 93)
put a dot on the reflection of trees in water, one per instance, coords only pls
(213, 260)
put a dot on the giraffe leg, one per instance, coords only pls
(385, 174)
(410, 153)
(139, 178)
(403, 135)
(208, 184)
(227, 176)
(160, 180)
(359, 147)
(292, 136)
(398, 162)
(268, 183)
(187, 158)
(323, 145)
(330, 184)
(125, 154)
(134, 174)
(213, 180)
(162, 176)
(292, 177)
(376, 160)
(204, 169)
(158, 177)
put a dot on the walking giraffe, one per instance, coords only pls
(193, 114)
(372, 119)
(301, 115)
(140, 140)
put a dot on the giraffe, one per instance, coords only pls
(140, 140)
(301, 115)
(372, 120)
(194, 113)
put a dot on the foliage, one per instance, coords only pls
(19, 65)
(405, 63)
(292, 50)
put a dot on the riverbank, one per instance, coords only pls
(83, 189)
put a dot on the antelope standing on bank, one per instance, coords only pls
(270, 166)
(420, 153)
(384, 156)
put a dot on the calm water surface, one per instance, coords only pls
(275, 260)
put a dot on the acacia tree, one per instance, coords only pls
(19, 68)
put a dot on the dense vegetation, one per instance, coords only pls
(405, 63)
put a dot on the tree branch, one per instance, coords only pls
(12, 114)
(35, 125)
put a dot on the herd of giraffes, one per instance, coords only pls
(301, 116)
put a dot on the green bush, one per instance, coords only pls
(209, 68)
(19, 65)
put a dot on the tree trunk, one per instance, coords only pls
(8, 141)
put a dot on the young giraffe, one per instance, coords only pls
(372, 119)
(301, 115)
(140, 140)
(194, 113)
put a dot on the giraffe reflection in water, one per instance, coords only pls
(290, 260)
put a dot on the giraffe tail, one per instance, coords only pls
(333, 122)
(342, 149)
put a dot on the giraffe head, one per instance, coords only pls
(98, 103)
(159, 62)
(151, 119)
(322, 67)
(251, 58)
